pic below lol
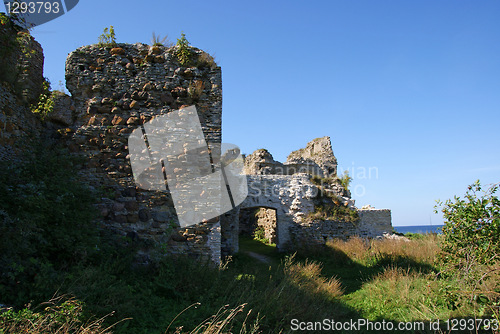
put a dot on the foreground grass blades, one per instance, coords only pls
(391, 280)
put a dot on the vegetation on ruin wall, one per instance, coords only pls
(328, 206)
(183, 52)
(45, 104)
(13, 39)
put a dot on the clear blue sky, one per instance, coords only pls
(411, 88)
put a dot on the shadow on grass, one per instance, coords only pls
(283, 289)
(335, 263)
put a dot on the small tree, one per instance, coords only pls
(472, 228)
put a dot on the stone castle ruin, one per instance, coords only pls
(114, 90)
(285, 198)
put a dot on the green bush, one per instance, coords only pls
(345, 180)
(45, 223)
(472, 227)
(470, 246)
(45, 104)
(57, 316)
(260, 234)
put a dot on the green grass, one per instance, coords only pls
(247, 243)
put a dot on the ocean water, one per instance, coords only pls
(419, 229)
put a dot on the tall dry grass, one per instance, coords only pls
(222, 322)
(308, 277)
(362, 250)
(355, 248)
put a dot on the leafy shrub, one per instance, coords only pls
(58, 316)
(470, 247)
(260, 234)
(108, 37)
(472, 227)
(345, 180)
(45, 223)
(45, 104)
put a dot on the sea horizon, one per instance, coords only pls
(422, 229)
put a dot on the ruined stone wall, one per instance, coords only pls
(371, 224)
(21, 77)
(16, 122)
(318, 151)
(115, 90)
(374, 222)
(266, 219)
(229, 223)
(318, 232)
(291, 197)
(21, 63)
(316, 158)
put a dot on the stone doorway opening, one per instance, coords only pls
(259, 223)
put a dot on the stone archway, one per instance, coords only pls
(290, 195)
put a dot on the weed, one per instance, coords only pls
(345, 180)
(183, 50)
(195, 89)
(156, 40)
(206, 60)
(107, 38)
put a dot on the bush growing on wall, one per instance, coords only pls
(45, 104)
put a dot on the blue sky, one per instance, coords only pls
(409, 89)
